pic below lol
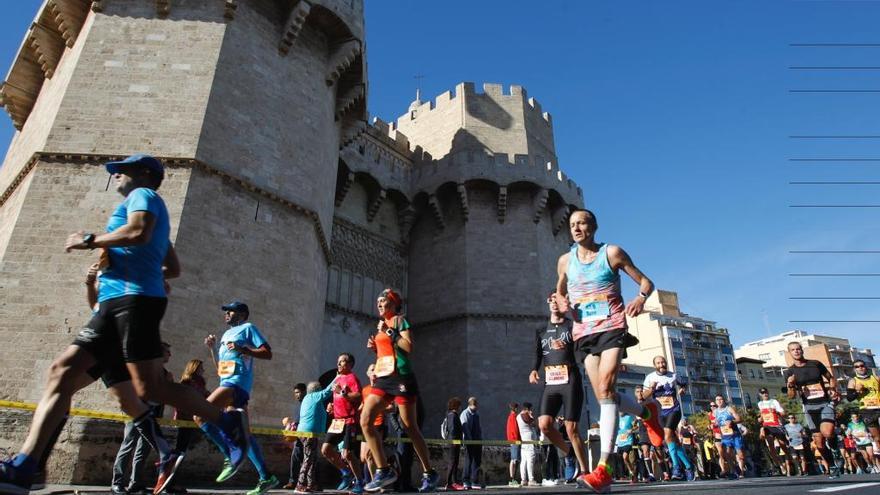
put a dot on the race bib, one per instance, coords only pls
(336, 426)
(666, 401)
(594, 308)
(727, 429)
(768, 417)
(686, 441)
(225, 369)
(814, 391)
(556, 375)
(871, 402)
(799, 447)
(623, 437)
(385, 366)
(860, 434)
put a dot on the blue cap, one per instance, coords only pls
(140, 159)
(236, 306)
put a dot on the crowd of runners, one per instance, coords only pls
(641, 437)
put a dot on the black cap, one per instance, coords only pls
(763, 390)
(237, 306)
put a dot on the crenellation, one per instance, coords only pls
(342, 58)
(295, 22)
(69, 16)
(48, 46)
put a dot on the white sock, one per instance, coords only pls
(607, 427)
(629, 405)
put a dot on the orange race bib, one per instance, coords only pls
(384, 366)
(814, 391)
(336, 426)
(686, 441)
(871, 402)
(225, 369)
(768, 417)
(666, 401)
(556, 375)
(623, 437)
(727, 429)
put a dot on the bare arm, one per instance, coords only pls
(562, 281)
(210, 342)
(138, 231)
(92, 285)
(262, 352)
(619, 260)
(171, 264)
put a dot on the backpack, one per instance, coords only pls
(444, 429)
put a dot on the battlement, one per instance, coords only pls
(455, 98)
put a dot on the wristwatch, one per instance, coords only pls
(644, 295)
(89, 239)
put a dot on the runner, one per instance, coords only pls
(859, 432)
(817, 388)
(795, 434)
(688, 436)
(395, 381)
(589, 276)
(379, 424)
(771, 429)
(665, 386)
(732, 443)
(563, 389)
(716, 438)
(624, 444)
(122, 342)
(344, 427)
(649, 455)
(865, 387)
(239, 346)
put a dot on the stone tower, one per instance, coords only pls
(463, 194)
(248, 102)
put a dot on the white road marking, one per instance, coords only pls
(843, 487)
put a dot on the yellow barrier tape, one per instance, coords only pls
(261, 430)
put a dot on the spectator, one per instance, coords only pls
(291, 424)
(313, 422)
(471, 430)
(452, 431)
(528, 432)
(513, 436)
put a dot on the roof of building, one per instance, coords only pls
(741, 360)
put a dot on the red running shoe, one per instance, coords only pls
(599, 480)
(166, 472)
(655, 431)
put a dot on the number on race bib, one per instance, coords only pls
(686, 440)
(556, 375)
(385, 366)
(225, 369)
(814, 391)
(594, 308)
(666, 401)
(768, 417)
(727, 429)
(871, 402)
(336, 426)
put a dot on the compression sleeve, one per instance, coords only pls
(539, 352)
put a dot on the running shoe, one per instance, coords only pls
(599, 480)
(346, 481)
(548, 482)
(652, 425)
(458, 487)
(676, 474)
(166, 472)
(118, 490)
(689, 474)
(358, 487)
(382, 478)
(429, 482)
(513, 484)
(665, 475)
(227, 471)
(265, 485)
(14, 480)
(234, 424)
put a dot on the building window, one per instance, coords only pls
(765, 356)
(751, 375)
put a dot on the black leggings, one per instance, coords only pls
(452, 454)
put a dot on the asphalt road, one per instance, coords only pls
(845, 485)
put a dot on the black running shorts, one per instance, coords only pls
(348, 437)
(124, 330)
(670, 420)
(595, 344)
(569, 395)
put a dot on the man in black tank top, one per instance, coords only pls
(554, 354)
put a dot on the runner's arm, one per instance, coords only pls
(405, 341)
(262, 352)
(171, 264)
(851, 392)
(539, 353)
(619, 259)
(138, 231)
(790, 386)
(562, 280)
(92, 286)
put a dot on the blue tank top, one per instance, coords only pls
(594, 292)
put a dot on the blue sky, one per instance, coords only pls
(680, 121)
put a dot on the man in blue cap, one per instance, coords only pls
(121, 342)
(234, 359)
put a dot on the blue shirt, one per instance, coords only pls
(137, 270)
(235, 368)
(624, 431)
(724, 419)
(313, 411)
